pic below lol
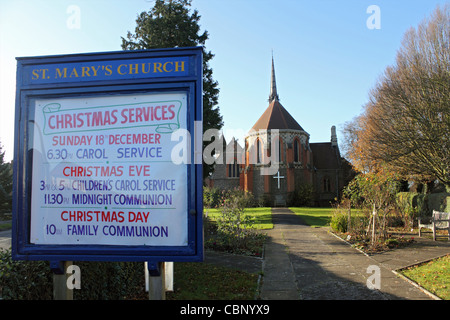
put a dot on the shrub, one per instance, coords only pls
(233, 222)
(408, 209)
(33, 280)
(406, 200)
(265, 200)
(24, 280)
(375, 191)
(413, 204)
(211, 197)
(339, 220)
(359, 219)
(233, 229)
(302, 196)
(438, 201)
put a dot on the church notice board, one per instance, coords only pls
(97, 174)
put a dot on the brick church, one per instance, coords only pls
(278, 162)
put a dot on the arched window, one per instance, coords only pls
(280, 150)
(296, 150)
(278, 144)
(326, 184)
(258, 151)
(233, 170)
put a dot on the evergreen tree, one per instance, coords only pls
(170, 24)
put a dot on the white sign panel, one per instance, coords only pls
(102, 171)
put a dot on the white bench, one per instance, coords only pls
(439, 221)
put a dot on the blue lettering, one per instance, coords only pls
(82, 230)
(136, 231)
(91, 154)
(145, 152)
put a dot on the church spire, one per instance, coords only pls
(273, 85)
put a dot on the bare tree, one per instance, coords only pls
(406, 123)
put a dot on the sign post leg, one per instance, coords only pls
(60, 288)
(156, 281)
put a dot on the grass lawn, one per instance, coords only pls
(433, 276)
(318, 217)
(315, 217)
(262, 217)
(200, 281)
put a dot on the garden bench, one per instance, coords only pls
(439, 221)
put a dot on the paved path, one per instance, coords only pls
(5, 239)
(5, 236)
(310, 263)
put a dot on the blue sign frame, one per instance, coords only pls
(106, 74)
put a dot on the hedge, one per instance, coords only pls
(424, 204)
(33, 280)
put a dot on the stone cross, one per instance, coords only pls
(278, 177)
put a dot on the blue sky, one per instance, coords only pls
(326, 58)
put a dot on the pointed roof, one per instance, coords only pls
(275, 116)
(273, 85)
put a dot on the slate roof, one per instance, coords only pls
(325, 156)
(276, 117)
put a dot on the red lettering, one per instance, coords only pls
(164, 113)
(172, 113)
(139, 170)
(65, 173)
(156, 112)
(78, 215)
(50, 124)
(124, 116)
(93, 171)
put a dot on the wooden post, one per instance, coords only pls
(60, 289)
